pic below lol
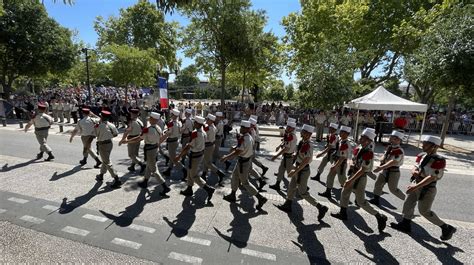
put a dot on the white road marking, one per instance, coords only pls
(2, 210)
(185, 258)
(126, 243)
(258, 254)
(31, 219)
(95, 218)
(195, 240)
(75, 231)
(51, 207)
(17, 200)
(142, 228)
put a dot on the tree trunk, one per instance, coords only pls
(243, 85)
(448, 116)
(223, 68)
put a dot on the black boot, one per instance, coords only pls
(375, 200)
(50, 157)
(83, 161)
(167, 172)
(317, 177)
(204, 175)
(227, 165)
(286, 207)
(210, 191)
(261, 184)
(381, 222)
(131, 168)
(264, 170)
(221, 176)
(142, 168)
(165, 190)
(403, 226)
(97, 163)
(326, 194)
(187, 192)
(447, 232)
(117, 183)
(261, 201)
(342, 214)
(143, 184)
(39, 155)
(185, 174)
(99, 177)
(275, 186)
(230, 197)
(322, 211)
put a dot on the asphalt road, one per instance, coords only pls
(61, 202)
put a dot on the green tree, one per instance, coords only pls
(141, 26)
(289, 92)
(188, 76)
(31, 43)
(274, 90)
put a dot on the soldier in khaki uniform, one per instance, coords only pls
(86, 127)
(427, 172)
(300, 173)
(210, 130)
(105, 131)
(196, 147)
(54, 109)
(363, 162)
(256, 137)
(134, 129)
(390, 167)
(320, 120)
(287, 149)
(219, 135)
(172, 134)
(42, 123)
(332, 142)
(244, 152)
(338, 161)
(152, 136)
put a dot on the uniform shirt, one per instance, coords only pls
(211, 133)
(161, 124)
(198, 139)
(303, 151)
(105, 131)
(42, 120)
(187, 126)
(332, 140)
(289, 141)
(363, 158)
(54, 106)
(60, 106)
(345, 120)
(320, 118)
(394, 152)
(332, 119)
(136, 126)
(86, 126)
(152, 134)
(344, 149)
(220, 128)
(67, 107)
(245, 143)
(174, 127)
(433, 165)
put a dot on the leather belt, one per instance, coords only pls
(42, 128)
(131, 136)
(219, 136)
(104, 142)
(244, 159)
(196, 154)
(148, 147)
(207, 144)
(171, 140)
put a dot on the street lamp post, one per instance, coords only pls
(84, 50)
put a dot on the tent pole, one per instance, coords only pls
(422, 128)
(357, 126)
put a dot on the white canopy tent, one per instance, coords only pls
(381, 99)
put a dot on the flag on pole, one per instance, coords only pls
(163, 87)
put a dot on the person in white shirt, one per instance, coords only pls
(42, 123)
(86, 128)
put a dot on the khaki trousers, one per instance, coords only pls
(341, 175)
(358, 187)
(300, 183)
(392, 178)
(240, 175)
(286, 165)
(208, 154)
(323, 163)
(42, 138)
(193, 168)
(86, 143)
(217, 145)
(104, 152)
(319, 131)
(172, 147)
(133, 150)
(150, 169)
(424, 198)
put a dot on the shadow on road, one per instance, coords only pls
(185, 219)
(6, 168)
(67, 207)
(68, 173)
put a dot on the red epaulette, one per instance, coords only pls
(396, 152)
(206, 128)
(145, 130)
(344, 147)
(194, 135)
(368, 156)
(419, 157)
(96, 126)
(288, 138)
(438, 164)
(332, 138)
(355, 151)
(170, 124)
(305, 148)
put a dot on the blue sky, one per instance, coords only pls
(82, 14)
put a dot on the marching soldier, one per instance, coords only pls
(332, 142)
(320, 120)
(105, 131)
(134, 129)
(240, 175)
(219, 137)
(338, 161)
(287, 148)
(172, 135)
(42, 123)
(300, 173)
(253, 172)
(210, 130)
(256, 136)
(151, 136)
(196, 150)
(86, 127)
(427, 172)
(187, 128)
(390, 167)
(363, 161)
(372, 147)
